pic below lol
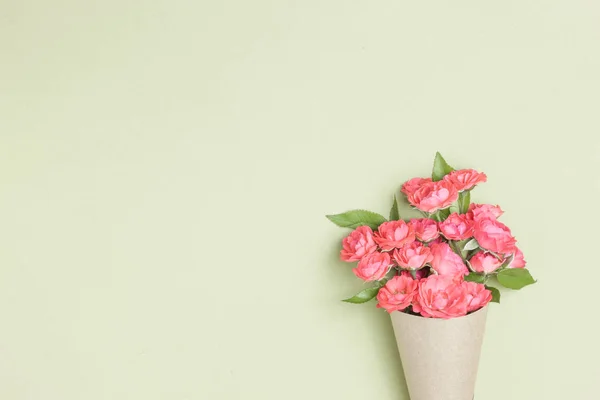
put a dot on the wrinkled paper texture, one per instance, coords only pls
(440, 357)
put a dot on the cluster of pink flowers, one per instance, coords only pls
(427, 255)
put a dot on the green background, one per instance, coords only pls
(166, 166)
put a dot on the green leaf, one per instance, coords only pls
(363, 296)
(475, 277)
(495, 293)
(381, 283)
(464, 200)
(454, 208)
(440, 168)
(515, 278)
(394, 212)
(471, 245)
(443, 214)
(355, 218)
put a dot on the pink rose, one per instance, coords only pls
(425, 229)
(412, 185)
(441, 297)
(518, 260)
(437, 240)
(358, 244)
(373, 267)
(393, 234)
(413, 256)
(485, 262)
(457, 227)
(397, 294)
(481, 211)
(433, 196)
(477, 295)
(494, 236)
(446, 262)
(465, 179)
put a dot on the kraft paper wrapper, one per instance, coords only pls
(440, 357)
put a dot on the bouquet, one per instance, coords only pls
(435, 276)
(441, 265)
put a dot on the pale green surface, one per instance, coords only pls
(165, 169)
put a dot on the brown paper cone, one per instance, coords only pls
(440, 357)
